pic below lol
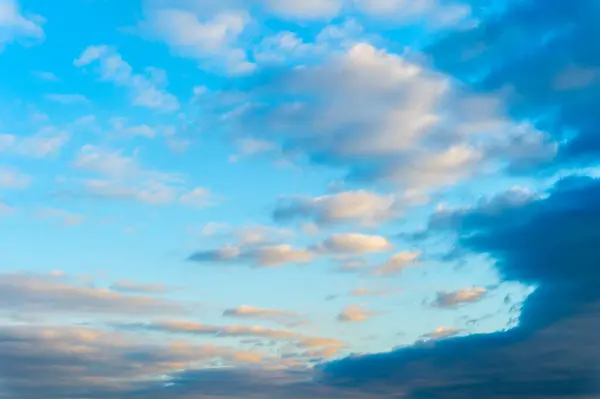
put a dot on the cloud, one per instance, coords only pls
(351, 206)
(122, 177)
(68, 98)
(396, 264)
(13, 179)
(540, 84)
(14, 26)
(46, 295)
(460, 297)
(86, 362)
(145, 90)
(355, 243)
(355, 314)
(284, 317)
(300, 340)
(263, 256)
(47, 141)
(442, 333)
(132, 287)
(212, 41)
(412, 127)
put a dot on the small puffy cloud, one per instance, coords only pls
(11, 178)
(355, 314)
(212, 41)
(442, 332)
(146, 89)
(68, 98)
(460, 297)
(15, 26)
(284, 317)
(262, 256)
(351, 206)
(396, 264)
(355, 243)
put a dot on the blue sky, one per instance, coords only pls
(256, 187)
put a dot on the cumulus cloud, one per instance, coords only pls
(145, 89)
(355, 314)
(412, 127)
(351, 206)
(15, 26)
(355, 243)
(47, 295)
(211, 40)
(396, 264)
(460, 297)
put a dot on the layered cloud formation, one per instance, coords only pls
(300, 199)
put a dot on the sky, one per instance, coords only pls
(293, 199)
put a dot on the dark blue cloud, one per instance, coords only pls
(549, 242)
(544, 57)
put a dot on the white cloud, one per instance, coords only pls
(14, 26)
(411, 126)
(146, 90)
(460, 297)
(354, 243)
(396, 264)
(262, 256)
(442, 333)
(212, 41)
(122, 177)
(359, 206)
(355, 314)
